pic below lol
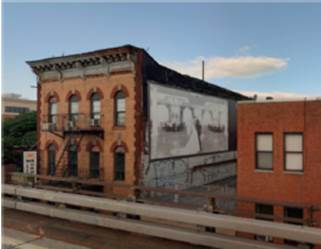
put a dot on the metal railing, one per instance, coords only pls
(71, 122)
(183, 225)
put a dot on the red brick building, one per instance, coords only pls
(94, 117)
(279, 160)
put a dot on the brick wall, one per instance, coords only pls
(279, 185)
(112, 136)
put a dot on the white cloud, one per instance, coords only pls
(244, 49)
(274, 95)
(237, 66)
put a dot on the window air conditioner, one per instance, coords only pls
(51, 126)
(94, 122)
(45, 126)
(71, 124)
(48, 126)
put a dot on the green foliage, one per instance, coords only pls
(17, 135)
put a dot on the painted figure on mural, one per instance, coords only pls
(185, 123)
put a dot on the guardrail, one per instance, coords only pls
(175, 198)
(182, 226)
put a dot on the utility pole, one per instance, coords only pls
(203, 69)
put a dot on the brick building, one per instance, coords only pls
(279, 160)
(13, 105)
(95, 116)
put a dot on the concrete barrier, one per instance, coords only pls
(161, 231)
(191, 217)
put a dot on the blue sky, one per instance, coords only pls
(269, 48)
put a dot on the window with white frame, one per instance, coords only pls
(264, 151)
(95, 107)
(120, 108)
(293, 151)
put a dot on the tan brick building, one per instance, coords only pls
(93, 113)
(13, 105)
(279, 160)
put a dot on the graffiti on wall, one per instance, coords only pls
(186, 123)
(182, 173)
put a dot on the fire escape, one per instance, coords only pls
(72, 129)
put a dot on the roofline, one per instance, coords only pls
(241, 96)
(98, 52)
(271, 101)
(19, 99)
(120, 49)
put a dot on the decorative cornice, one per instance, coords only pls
(71, 63)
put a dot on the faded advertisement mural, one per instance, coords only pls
(186, 123)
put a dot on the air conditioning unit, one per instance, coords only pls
(45, 126)
(48, 126)
(52, 126)
(71, 124)
(94, 122)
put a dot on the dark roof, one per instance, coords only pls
(170, 77)
(152, 70)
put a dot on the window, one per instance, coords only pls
(264, 212)
(51, 159)
(94, 163)
(294, 215)
(119, 161)
(52, 118)
(16, 109)
(293, 152)
(72, 160)
(264, 151)
(73, 108)
(95, 108)
(119, 109)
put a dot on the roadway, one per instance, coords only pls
(24, 230)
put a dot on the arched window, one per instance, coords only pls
(95, 109)
(73, 160)
(94, 161)
(51, 159)
(120, 108)
(52, 110)
(119, 164)
(73, 108)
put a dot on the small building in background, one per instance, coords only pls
(115, 116)
(14, 105)
(279, 161)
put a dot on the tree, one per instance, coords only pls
(18, 134)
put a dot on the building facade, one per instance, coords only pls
(13, 105)
(117, 116)
(279, 161)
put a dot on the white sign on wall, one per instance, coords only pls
(186, 123)
(30, 162)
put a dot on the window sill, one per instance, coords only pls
(119, 182)
(119, 127)
(293, 172)
(263, 170)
